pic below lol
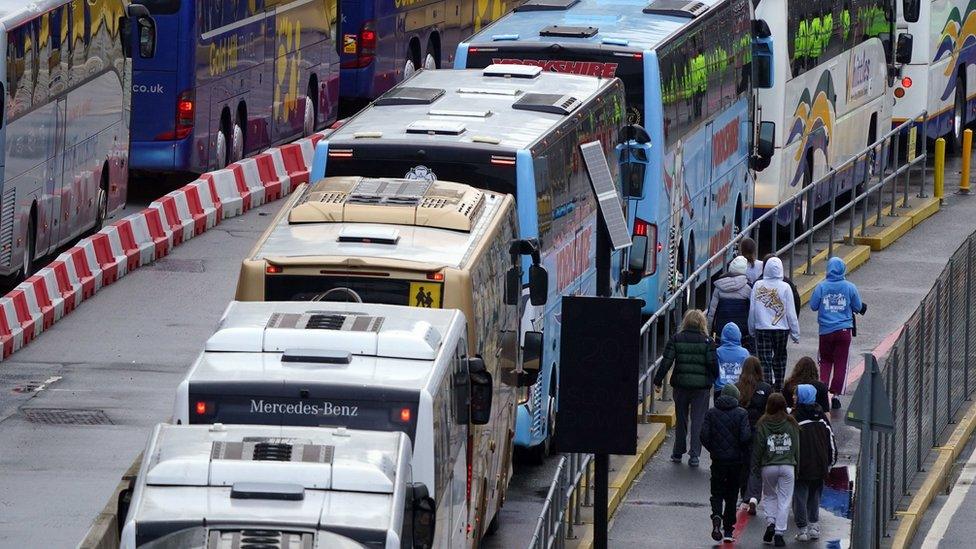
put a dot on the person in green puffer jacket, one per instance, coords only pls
(692, 354)
(775, 452)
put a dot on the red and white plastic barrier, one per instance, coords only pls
(142, 238)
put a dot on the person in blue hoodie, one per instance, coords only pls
(835, 300)
(730, 354)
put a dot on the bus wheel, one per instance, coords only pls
(493, 525)
(429, 62)
(958, 116)
(237, 144)
(30, 246)
(101, 205)
(220, 155)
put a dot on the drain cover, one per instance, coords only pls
(180, 265)
(64, 416)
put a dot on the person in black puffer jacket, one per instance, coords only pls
(753, 394)
(726, 435)
(818, 453)
(692, 354)
(730, 302)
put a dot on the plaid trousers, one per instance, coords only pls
(771, 351)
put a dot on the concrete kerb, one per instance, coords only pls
(936, 479)
(903, 220)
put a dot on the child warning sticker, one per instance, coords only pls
(348, 43)
(425, 294)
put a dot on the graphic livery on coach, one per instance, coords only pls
(232, 78)
(688, 72)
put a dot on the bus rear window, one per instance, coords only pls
(627, 66)
(498, 178)
(160, 7)
(369, 415)
(337, 288)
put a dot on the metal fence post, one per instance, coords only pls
(894, 180)
(881, 177)
(969, 286)
(811, 202)
(833, 213)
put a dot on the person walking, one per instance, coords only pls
(730, 355)
(692, 354)
(818, 453)
(835, 300)
(730, 302)
(805, 371)
(775, 452)
(726, 435)
(753, 394)
(772, 319)
(789, 281)
(749, 250)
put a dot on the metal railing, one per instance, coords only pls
(928, 375)
(880, 178)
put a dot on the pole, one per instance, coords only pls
(601, 481)
(866, 479)
(967, 148)
(939, 167)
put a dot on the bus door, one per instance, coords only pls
(62, 222)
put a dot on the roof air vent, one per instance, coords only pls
(436, 127)
(552, 103)
(677, 8)
(254, 538)
(325, 322)
(569, 32)
(511, 70)
(272, 451)
(408, 95)
(547, 5)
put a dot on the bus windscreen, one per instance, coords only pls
(313, 411)
(285, 287)
(496, 178)
(625, 65)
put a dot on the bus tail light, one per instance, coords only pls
(185, 109)
(402, 415)
(365, 47)
(273, 269)
(202, 407)
(435, 276)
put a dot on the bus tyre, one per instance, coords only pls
(101, 212)
(958, 117)
(30, 246)
(308, 123)
(237, 144)
(409, 68)
(493, 525)
(429, 62)
(220, 155)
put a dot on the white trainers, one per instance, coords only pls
(813, 530)
(803, 535)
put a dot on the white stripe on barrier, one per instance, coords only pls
(183, 211)
(308, 151)
(118, 251)
(207, 201)
(225, 183)
(53, 294)
(143, 238)
(279, 165)
(9, 311)
(252, 178)
(36, 315)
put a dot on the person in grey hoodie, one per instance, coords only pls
(772, 318)
(730, 302)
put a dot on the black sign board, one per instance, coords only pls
(598, 373)
(871, 391)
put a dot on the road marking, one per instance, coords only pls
(952, 504)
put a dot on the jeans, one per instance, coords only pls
(806, 502)
(725, 489)
(777, 492)
(771, 349)
(693, 402)
(834, 348)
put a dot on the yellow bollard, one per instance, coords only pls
(939, 167)
(967, 149)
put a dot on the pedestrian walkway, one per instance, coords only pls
(668, 504)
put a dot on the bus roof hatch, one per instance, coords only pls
(437, 204)
(676, 8)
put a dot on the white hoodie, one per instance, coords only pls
(771, 306)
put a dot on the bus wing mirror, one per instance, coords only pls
(531, 358)
(634, 157)
(424, 516)
(481, 391)
(538, 285)
(762, 63)
(513, 286)
(903, 51)
(122, 507)
(765, 146)
(145, 28)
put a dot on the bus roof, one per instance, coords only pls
(361, 329)
(475, 107)
(620, 24)
(347, 478)
(15, 12)
(431, 247)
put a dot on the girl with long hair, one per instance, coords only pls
(753, 393)
(805, 371)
